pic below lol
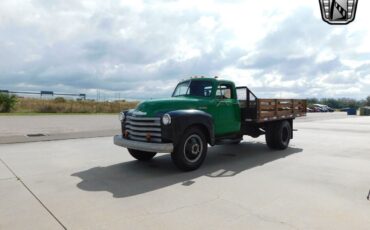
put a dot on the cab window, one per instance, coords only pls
(193, 88)
(224, 91)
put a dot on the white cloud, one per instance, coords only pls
(142, 48)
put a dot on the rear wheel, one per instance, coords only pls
(191, 150)
(141, 155)
(278, 135)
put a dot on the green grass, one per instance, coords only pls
(58, 106)
(56, 114)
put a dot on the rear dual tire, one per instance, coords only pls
(278, 135)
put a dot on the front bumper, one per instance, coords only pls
(143, 146)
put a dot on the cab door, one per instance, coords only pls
(227, 110)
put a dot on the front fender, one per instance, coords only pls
(183, 119)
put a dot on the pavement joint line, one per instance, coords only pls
(33, 194)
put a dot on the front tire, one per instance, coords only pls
(278, 135)
(141, 155)
(191, 150)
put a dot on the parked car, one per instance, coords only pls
(310, 110)
(315, 109)
(323, 108)
(330, 109)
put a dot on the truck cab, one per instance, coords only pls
(217, 98)
(201, 112)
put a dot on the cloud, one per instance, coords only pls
(307, 58)
(141, 49)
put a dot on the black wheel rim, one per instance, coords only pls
(193, 148)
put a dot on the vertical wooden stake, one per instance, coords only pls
(276, 107)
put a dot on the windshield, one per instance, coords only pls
(193, 88)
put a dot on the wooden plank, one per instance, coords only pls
(276, 108)
(292, 102)
(282, 106)
(284, 101)
(279, 109)
(267, 114)
(267, 100)
(299, 102)
(281, 113)
(267, 107)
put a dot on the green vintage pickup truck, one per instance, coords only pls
(202, 112)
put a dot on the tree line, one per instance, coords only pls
(340, 103)
(8, 102)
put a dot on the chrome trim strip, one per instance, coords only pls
(144, 118)
(144, 129)
(144, 134)
(143, 123)
(142, 139)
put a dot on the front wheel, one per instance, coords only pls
(141, 155)
(191, 150)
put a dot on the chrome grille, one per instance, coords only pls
(140, 128)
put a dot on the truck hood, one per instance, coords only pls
(156, 106)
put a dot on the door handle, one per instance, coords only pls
(219, 103)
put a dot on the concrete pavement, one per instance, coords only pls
(32, 128)
(321, 182)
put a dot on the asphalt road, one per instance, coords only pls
(321, 182)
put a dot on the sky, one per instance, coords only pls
(140, 49)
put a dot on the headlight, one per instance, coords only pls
(166, 119)
(121, 116)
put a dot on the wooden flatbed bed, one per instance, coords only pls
(258, 110)
(277, 109)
